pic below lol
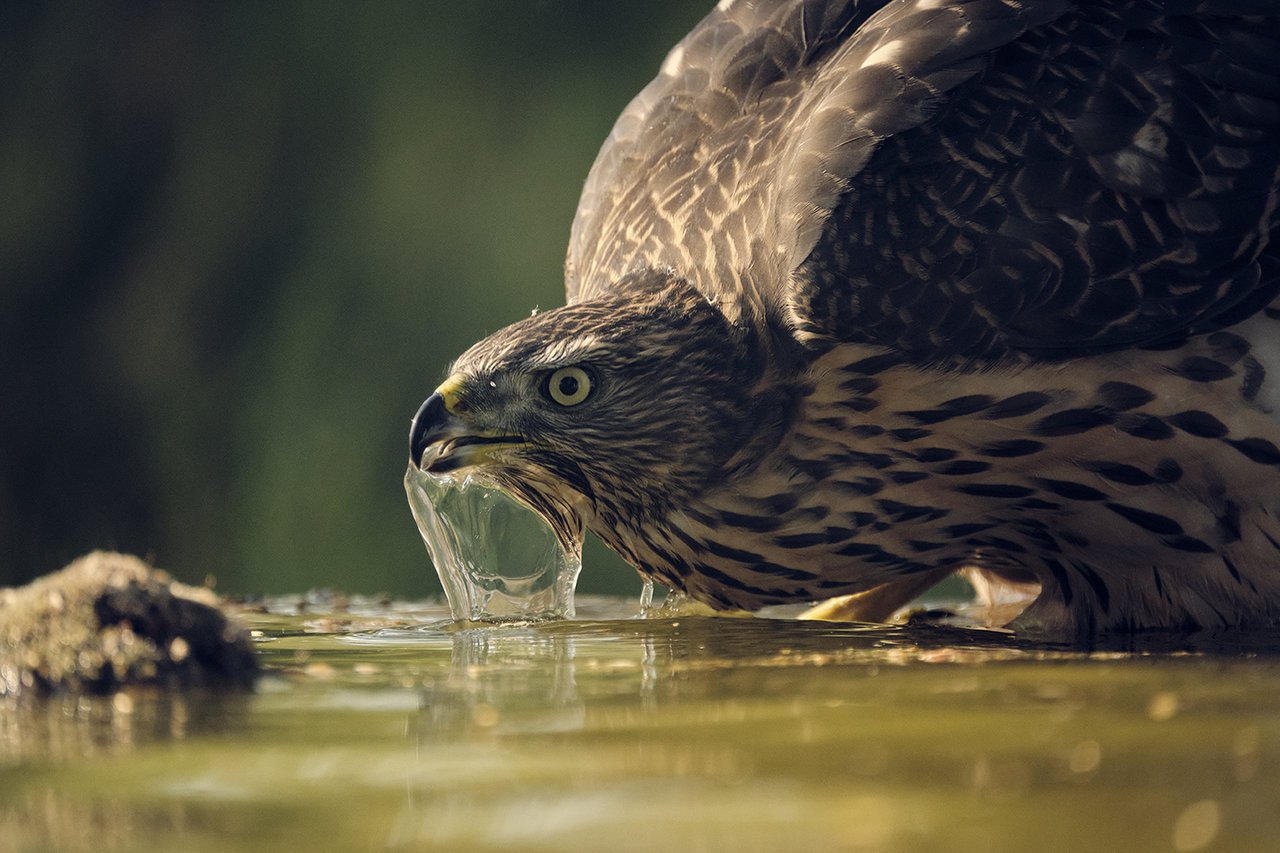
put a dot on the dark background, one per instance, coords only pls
(239, 244)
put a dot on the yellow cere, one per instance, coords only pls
(449, 391)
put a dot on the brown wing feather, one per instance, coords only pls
(953, 179)
(1109, 180)
(725, 167)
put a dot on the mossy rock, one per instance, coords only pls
(109, 621)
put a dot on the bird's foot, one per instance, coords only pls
(878, 603)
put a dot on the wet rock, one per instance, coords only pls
(109, 621)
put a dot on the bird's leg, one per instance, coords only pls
(878, 603)
(1001, 597)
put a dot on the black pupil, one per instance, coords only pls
(568, 386)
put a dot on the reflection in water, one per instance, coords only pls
(503, 673)
(67, 728)
(796, 735)
(524, 678)
(681, 732)
(66, 746)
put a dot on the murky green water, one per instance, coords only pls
(691, 733)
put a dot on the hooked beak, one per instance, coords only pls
(431, 424)
(436, 426)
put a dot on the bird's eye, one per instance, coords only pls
(569, 386)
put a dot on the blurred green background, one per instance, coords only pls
(239, 244)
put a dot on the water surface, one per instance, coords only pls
(381, 727)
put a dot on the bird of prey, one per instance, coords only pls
(865, 292)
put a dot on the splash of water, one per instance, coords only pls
(497, 559)
(646, 595)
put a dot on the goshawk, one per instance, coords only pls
(865, 292)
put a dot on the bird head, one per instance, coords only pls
(605, 412)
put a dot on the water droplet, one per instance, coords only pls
(646, 595)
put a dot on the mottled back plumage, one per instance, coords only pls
(863, 293)
(953, 178)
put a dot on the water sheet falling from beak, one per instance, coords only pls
(497, 559)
